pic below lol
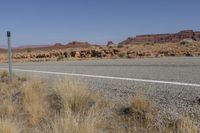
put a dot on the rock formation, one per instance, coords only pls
(163, 38)
(76, 44)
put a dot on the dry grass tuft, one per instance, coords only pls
(141, 104)
(138, 117)
(6, 126)
(34, 103)
(143, 110)
(7, 109)
(183, 125)
(75, 97)
(71, 123)
(186, 125)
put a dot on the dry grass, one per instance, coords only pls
(143, 111)
(138, 117)
(34, 106)
(186, 125)
(62, 107)
(34, 101)
(6, 126)
(76, 123)
(77, 99)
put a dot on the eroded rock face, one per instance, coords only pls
(2, 50)
(163, 38)
(110, 44)
(75, 54)
(76, 44)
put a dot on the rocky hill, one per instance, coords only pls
(163, 38)
(2, 50)
(74, 44)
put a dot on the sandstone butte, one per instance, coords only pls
(163, 38)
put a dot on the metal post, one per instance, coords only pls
(9, 55)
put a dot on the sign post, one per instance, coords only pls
(9, 55)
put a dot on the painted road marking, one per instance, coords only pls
(108, 77)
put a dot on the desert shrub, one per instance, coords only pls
(122, 55)
(143, 109)
(60, 57)
(186, 125)
(71, 123)
(75, 109)
(33, 97)
(120, 45)
(75, 97)
(149, 43)
(28, 50)
(187, 42)
(4, 78)
(139, 116)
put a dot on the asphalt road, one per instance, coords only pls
(171, 69)
(179, 69)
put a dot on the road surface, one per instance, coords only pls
(179, 69)
(124, 76)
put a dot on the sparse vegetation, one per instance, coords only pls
(60, 57)
(187, 42)
(148, 43)
(7, 126)
(186, 47)
(140, 116)
(32, 105)
(28, 50)
(122, 54)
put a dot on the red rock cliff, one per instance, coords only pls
(163, 38)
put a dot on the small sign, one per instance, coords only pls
(8, 34)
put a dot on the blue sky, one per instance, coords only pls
(95, 21)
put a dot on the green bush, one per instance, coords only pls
(60, 57)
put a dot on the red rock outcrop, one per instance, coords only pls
(163, 38)
(2, 50)
(76, 44)
(56, 46)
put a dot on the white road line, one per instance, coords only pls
(108, 77)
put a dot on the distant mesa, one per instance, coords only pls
(74, 44)
(33, 46)
(110, 44)
(58, 45)
(162, 38)
(77, 44)
(2, 50)
(138, 39)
